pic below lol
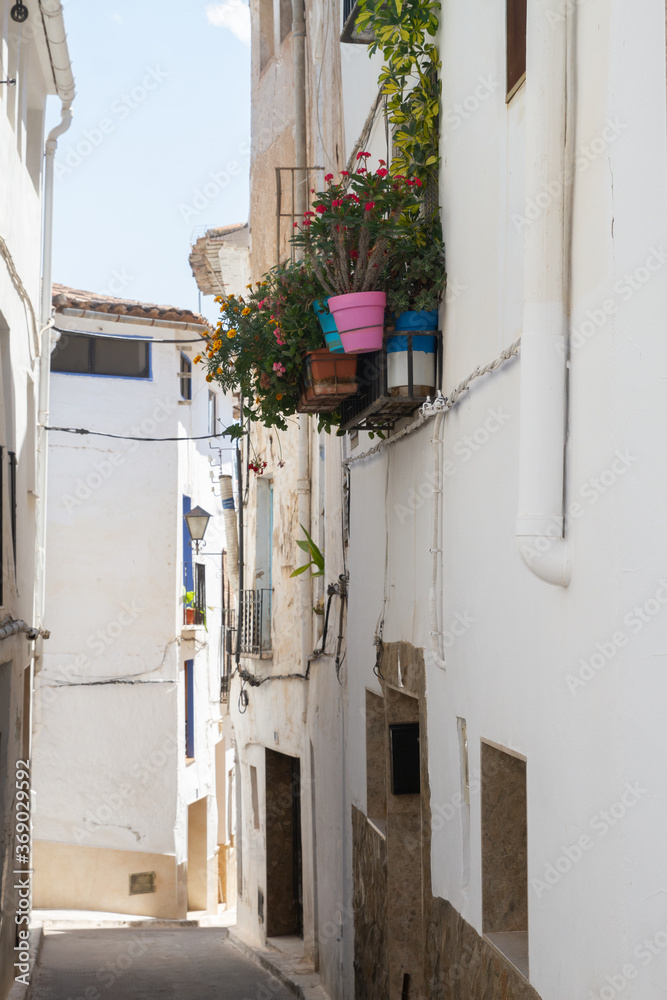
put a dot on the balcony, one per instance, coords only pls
(254, 622)
(377, 405)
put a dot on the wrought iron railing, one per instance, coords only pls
(348, 7)
(255, 622)
(228, 651)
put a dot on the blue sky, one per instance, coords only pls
(159, 146)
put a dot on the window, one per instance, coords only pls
(117, 357)
(212, 412)
(285, 19)
(189, 710)
(516, 45)
(200, 594)
(265, 33)
(505, 854)
(186, 377)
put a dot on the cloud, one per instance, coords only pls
(232, 14)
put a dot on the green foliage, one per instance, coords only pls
(409, 78)
(349, 236)
(417, 277)
(260, 343)
(316, 558)
(188, 598)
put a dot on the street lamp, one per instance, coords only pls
(197, 521)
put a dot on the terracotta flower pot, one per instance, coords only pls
(325, 364)
(189, 616)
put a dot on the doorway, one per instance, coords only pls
(284, 868)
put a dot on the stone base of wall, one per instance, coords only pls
(371, 962)
(461, 965)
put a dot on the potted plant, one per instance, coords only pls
(415, 285)
(188, 602)
(348, 238)
(262, 341)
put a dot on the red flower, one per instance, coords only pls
(362, 155)
(410, 183)
(383, 163)
(337, 202)
(418, 182)
(369, 206)
(306, 214)
(354, 254)
(362, 170)
(320, 208)
(382, 172)
(312, 190)
(345, 173)
(307, 222)
(328, 178)
(295, 225)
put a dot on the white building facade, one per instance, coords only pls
(506, 589)
(129, 746)
(34, 64)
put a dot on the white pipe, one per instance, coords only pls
(231, 533)
(435, 632)
(543, 394)
(300, 202)
(52, 16)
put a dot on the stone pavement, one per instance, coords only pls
(140, 963)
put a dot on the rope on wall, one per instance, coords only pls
(439, 405)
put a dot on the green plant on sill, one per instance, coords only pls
(416, 279)
(316, 557)
(189, 602)
(409, 78)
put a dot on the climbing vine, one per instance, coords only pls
(402, 31)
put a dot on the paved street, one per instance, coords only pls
(144, 964)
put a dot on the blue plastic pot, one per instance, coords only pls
(328, 324)
(427, 320)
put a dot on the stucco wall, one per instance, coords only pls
(526, 662)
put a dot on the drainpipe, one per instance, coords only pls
(300, 204)
(550, 102)
(54, 29)
(231, 531)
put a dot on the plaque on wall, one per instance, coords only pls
(142, 882)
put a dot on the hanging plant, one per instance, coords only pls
(402, 30)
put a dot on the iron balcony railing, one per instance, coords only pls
(228, 651)
(255, 622)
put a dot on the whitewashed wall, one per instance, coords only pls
(110, 700)
(571, 678)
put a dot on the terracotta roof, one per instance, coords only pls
(74, 298)
(205, 257)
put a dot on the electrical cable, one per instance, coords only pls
(195, 340)
(131, 437)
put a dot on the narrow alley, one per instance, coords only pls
(114, 963)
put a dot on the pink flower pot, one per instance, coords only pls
(360, 320)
